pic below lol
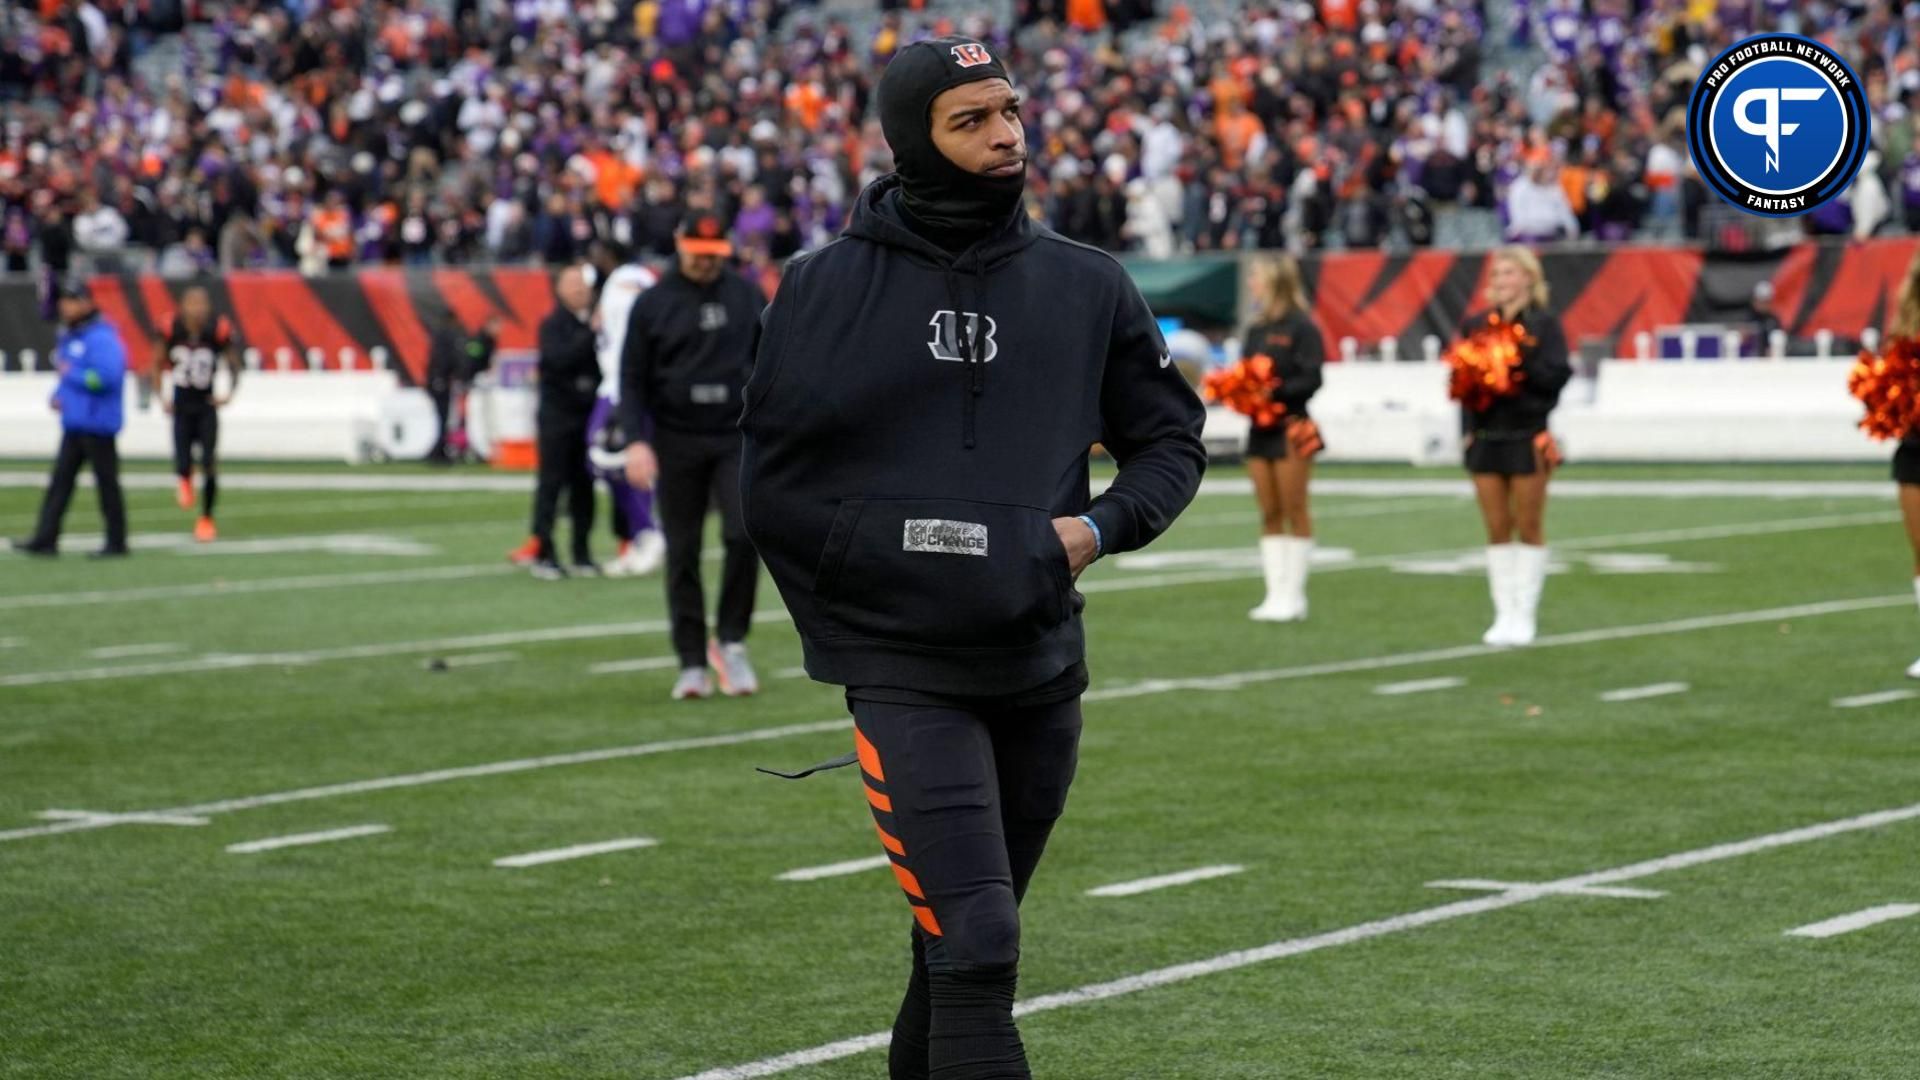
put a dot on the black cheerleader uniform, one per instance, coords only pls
(1298, 351)
(1906, 460)
(1502, 436)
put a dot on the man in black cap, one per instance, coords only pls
(688, 349)
(569, 380)
(916, 476)
(92, 362)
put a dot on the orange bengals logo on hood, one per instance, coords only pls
(971, 54)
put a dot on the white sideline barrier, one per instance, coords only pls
(1796, 410)
(333, 415)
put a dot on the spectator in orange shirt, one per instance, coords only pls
(1236, 128)
(333, 228)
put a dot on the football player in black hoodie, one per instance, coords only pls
(915, 474)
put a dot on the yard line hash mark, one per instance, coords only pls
(839, 869)
(1166, 881)
(274, 843)
(577, 851)
(1859, 920)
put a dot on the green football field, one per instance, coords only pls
(1711, 745)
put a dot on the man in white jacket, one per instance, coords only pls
(642, 547)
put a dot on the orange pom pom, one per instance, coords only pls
(1486, 364)
(1889, 386)
(1247, 388)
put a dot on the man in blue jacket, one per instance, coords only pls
(93, 368)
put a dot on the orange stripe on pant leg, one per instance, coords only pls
(887, 841)
(908, 881)
(879, 801)
(869, 757)
(924, 916)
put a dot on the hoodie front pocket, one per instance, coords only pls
(944, 573)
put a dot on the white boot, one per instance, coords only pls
(1914, 671)
(1299, 563)
(1500, 574)
(1273, 560)
(1530, 579)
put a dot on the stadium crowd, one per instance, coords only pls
(324, 134)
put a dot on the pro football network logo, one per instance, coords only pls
(1778, 124)
(971, 54)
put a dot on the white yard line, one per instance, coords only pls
(1226, 682)
(1618, 892)
(645, 663)
(1577, 489)
(12, 642)
(1127, 583)
(839, 869)
(127, 652)
(207, 590)
(1884, 697)
(1166, 881)
(1131, 582)
(1350, 935)
(274, 843)
(480, 659)
(791, 673)
(1419, 686)
(237, 661)
(1859, 920)
(1641, 693)
(1235, 680)
(439, 776)
(577, 851)
(231, 481)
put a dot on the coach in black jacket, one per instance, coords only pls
(917, 431)
(569, 379)
(688, 350)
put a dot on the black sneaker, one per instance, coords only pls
(109, 553)
(548, 570)
(584, 568)
(28, 547)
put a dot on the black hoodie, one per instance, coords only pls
(903, 466)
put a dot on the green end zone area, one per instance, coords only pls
(284, 690)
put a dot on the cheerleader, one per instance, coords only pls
(1906, 459)
(1280, 454)
(1509, 451)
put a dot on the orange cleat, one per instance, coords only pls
(526, 554)
(185, 496)
(204, 531)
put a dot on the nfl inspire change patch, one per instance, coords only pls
(945, 537)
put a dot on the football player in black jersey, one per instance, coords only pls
(198, 343)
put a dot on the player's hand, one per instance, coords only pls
(54, 404)
(220, 401)
(642, 466)
(166, 405)
(1078, 539)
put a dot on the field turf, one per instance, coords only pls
(282, 682)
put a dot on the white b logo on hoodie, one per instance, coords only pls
(946, 337)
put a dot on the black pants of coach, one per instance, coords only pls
(964, 801)
(563, 466)
(699, 472)
(101, 452)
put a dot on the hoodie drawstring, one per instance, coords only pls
(976, 366)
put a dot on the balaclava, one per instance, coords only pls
(935, 190)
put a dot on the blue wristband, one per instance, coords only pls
(1099, 544)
